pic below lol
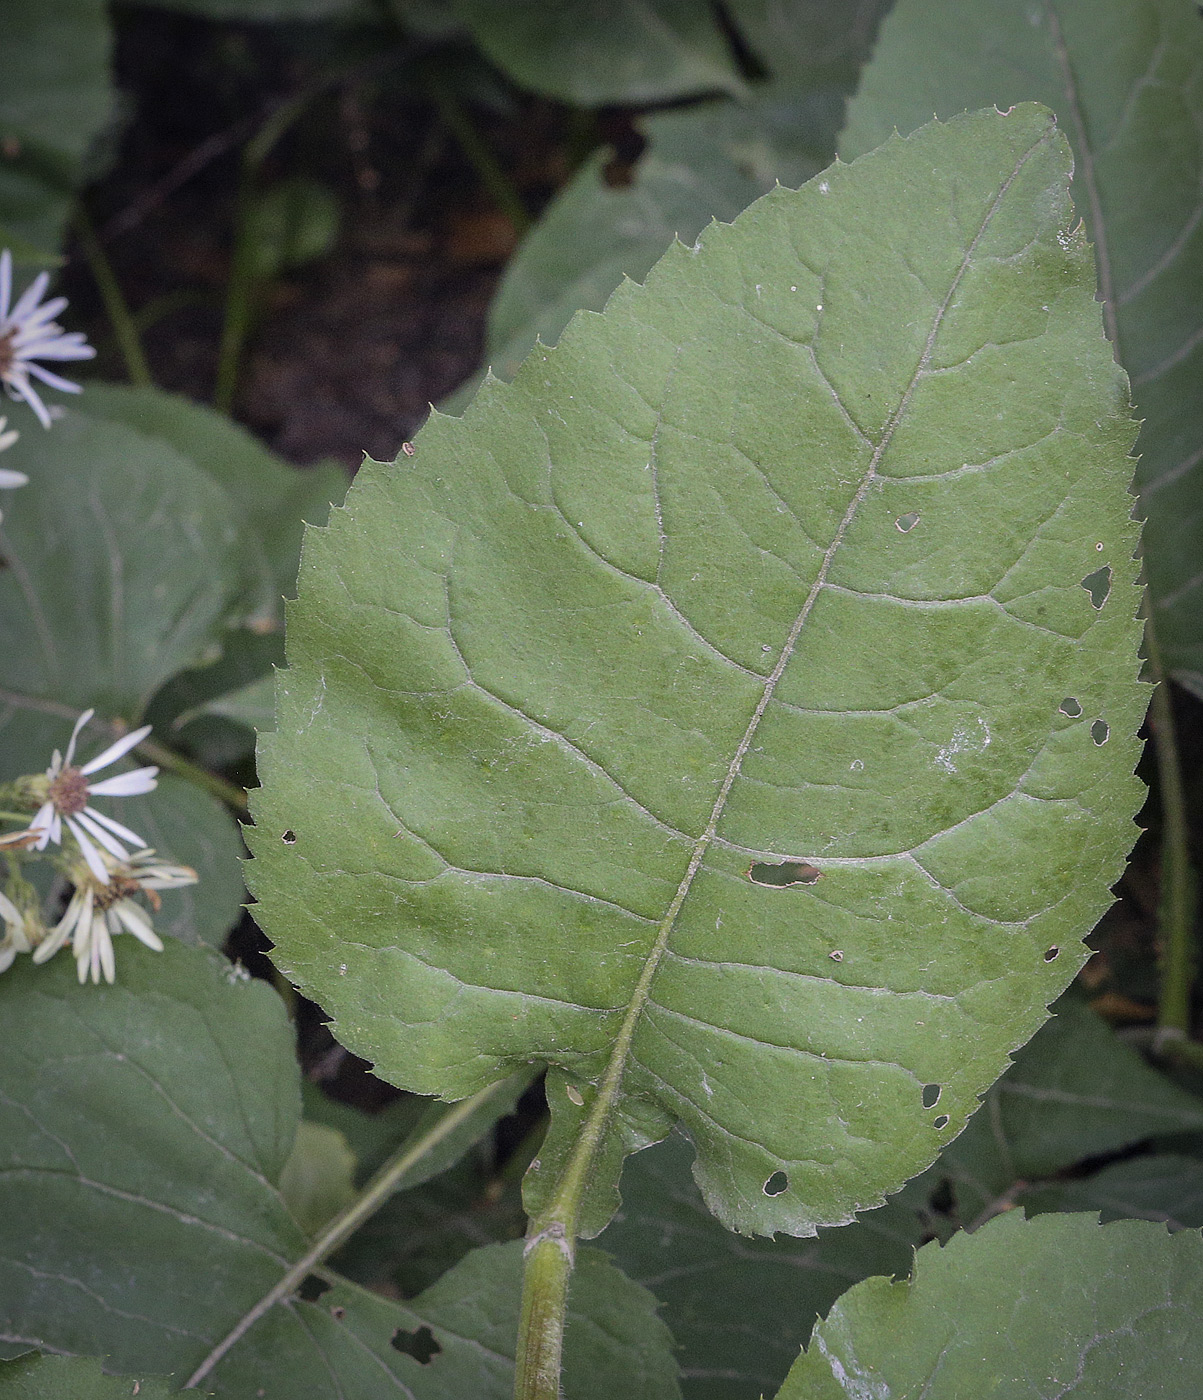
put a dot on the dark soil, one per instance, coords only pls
(350, 351)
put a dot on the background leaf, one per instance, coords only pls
(703, 162)
(591, 52)
(55, 101)
(650, 617)
(179, 820)
(72, 1378)
(273, 498)
(143, 1132)
(738, 1308)
(1126, 78)
(1076, 1091)
(1164, 1187)
(1054, 1305)
(124, 562)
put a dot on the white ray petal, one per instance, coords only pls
(64, 386)
(114, 751)
(103, 939)
(123, 831)
(94, 828)
(95, 864)
(24, 392)
(6, 283)
(79, 724)
(126, 784)
(43, 822)
(30, 297)
(138, 924)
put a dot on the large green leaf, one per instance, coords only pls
(55, 100)
(1126, 79)
(703, 162)
(694, 715)
(1058, 1305)
(144, 1129)
(740, 1308)
(591, 52)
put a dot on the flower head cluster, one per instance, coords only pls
(99, 909)
(64, 794)
(28, 333)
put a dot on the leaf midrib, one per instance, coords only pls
(563, 1214)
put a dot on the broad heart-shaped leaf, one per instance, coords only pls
(55, 100)
(1021, 1310)
(33, 1377)
(143, 1132)
(779, 562)
(592, 52)
(1126, 80)
(703, 162)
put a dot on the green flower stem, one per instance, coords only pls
(1177, 906)
(493, 177)
(549, 1261)
(229, 793)
(124, 327)
(366, 1204)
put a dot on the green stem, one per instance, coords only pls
(1177, 878)
(240, 295)
(124, 328)
(373, 1196)
(229, 793)
(549, 1261)
(484, 162)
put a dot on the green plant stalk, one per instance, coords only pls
(1177, 879)
(241, 290)
(549, 1261)
(484, 162)
(124, 328)
(229, 793)
(240, 295)
(345, 1223)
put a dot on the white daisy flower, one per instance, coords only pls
(28, 332)
(65, 793)
(16, 938)
(101, 908)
